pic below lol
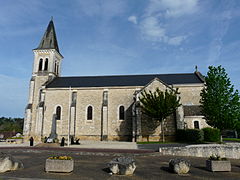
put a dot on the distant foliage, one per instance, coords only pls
(211, 134)
(190, 135)
(11, 124)
(220, 103)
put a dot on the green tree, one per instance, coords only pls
(11, 124)
(220, 103)
(159, 105)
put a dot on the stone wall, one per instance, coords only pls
(116, 98)
(35, 119)
(151, 130)
(91, 129)
(149, 133)
(189, 120)
(190, 94)
(204, 150)
(115, 129)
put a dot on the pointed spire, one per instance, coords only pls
(49, 39)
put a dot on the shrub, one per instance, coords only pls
(190, 135)
(180, 135)
(216, 157)
(211, 134)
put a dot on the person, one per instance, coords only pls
(31, 141)
(72, 140)
(62, 141)
(45, 139)
(77, 141)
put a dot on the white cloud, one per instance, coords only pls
(172, 8)
(132, 19)
(152, 30)
(154, 24)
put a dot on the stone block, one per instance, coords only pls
(214, 166)
(179, 166)
(122, 165)
(56, 165)
(8, 163)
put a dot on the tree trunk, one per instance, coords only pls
(163, 137)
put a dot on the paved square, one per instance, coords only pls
(94, 167)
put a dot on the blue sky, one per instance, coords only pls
(105, 37)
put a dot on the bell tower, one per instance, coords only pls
(46, 67)
(47, 58)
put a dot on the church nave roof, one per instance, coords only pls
(123, 80)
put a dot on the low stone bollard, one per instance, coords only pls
(179, 166)
(122, 165)
(8, 163)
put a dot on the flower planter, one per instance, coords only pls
(56, 165)
(214, 166)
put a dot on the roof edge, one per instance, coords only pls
(121, 75)
(200, 76)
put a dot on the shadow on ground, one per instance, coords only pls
(155, 147)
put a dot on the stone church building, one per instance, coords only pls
(101, 107)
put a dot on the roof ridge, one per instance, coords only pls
(121, 75)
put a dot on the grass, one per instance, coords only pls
(231, 139)
(156, 142)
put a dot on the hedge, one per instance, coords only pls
(190, 135)
(211, 134)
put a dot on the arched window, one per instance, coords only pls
(58, 113)
(196, 124)
(89, 113)
(121, 113)
(40, 64)
(46, 64)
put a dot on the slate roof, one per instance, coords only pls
(49, 39)
(122, 80)
(192, 110)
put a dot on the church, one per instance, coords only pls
(102, 108)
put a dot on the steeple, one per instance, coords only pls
(47, 58)
(49, 39)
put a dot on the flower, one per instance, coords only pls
(61, 157)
